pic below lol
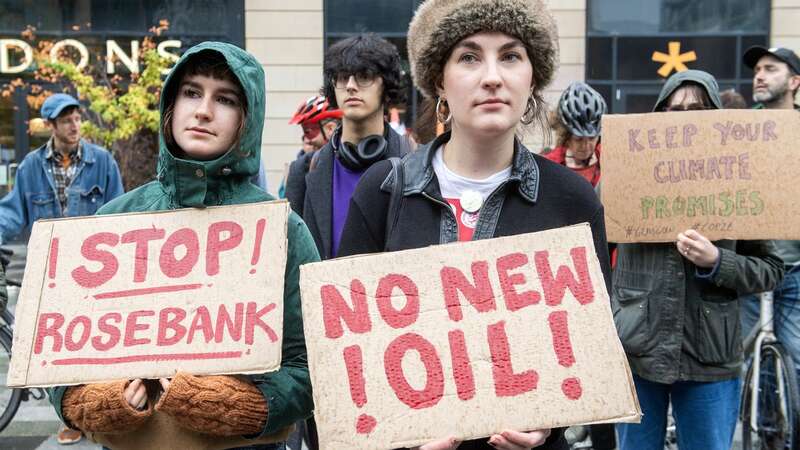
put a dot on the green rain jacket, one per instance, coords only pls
(185, 183)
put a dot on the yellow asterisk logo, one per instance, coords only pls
(674, 60)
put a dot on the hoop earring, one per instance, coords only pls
(438, 111)
(530, 111)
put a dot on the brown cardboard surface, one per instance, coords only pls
(399, 356)
(729, 174)
(146, 295)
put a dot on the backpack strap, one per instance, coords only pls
(395, 199)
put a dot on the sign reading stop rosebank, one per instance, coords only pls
(145, 295)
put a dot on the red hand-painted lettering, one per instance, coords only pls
(142, 238)
(508, 282)
(217, 245)
(335, 310)
(408, 314)
(555, 286)
(393, 365)
(506, 382)
(479, 295)
(88, 279)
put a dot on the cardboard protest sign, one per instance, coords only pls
(464, 339)
(144, 295)
(722, 173)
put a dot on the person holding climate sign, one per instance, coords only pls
(212, 118)
(676, 309)
(486, 63)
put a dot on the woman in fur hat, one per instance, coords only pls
(485, 63)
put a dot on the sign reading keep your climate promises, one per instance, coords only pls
(729, 174)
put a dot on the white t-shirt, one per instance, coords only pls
(453, 187)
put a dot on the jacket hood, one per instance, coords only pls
(704, 79)
(207, 183)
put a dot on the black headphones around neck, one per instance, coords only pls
(369, 150)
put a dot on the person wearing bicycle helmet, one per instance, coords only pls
(576, 122)
(676, 307)
(318, 120)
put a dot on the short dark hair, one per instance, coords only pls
(365, 53)
(65, 112)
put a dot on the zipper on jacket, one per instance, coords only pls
(440, 202)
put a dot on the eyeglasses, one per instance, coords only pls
(363, 79)
(692, 107)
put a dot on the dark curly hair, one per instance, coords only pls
(366, 53)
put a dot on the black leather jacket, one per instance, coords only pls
(539, 195)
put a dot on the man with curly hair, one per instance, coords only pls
(363, 79)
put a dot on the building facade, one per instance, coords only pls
(624, 48)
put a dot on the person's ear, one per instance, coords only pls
(51, 124)
(440, 87)
(794, 83)
(330, 127)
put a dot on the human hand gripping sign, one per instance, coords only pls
(697, 248)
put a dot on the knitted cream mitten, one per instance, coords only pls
(216, 405)
(102, 408)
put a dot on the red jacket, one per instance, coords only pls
(591, 173)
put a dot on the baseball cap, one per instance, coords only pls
(754, 53)
(56, 103)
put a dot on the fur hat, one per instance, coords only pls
(438, 25)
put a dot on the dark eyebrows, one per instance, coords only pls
(224, 90)
(511, 44)
(472, 45)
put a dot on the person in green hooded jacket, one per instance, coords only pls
(212, 111)
(676, 309)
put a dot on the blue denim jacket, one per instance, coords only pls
(34, 197)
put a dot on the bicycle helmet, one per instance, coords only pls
(580, 109)
(314, 110)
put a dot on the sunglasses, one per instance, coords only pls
(363, 79)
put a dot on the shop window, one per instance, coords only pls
(677, 16)
(634, 45)
(196, 18)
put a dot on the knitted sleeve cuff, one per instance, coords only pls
(102, 408)
(726, 275)
(215, 405)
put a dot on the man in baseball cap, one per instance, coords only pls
(65, 177)
(776, 79)
(776, 76)
(56, 103)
